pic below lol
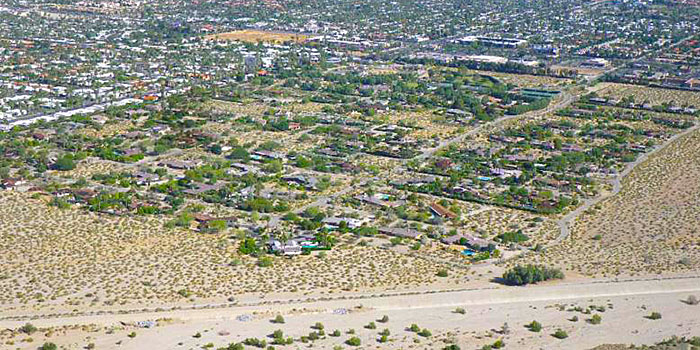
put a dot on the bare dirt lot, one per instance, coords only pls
(254, 36)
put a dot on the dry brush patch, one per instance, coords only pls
(655, 96)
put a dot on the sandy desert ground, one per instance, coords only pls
(622, 305)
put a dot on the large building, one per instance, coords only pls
(493, 41)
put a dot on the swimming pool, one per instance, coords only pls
(468, 252)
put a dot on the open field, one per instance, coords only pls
(655, 96)
(254, 36)
(649, 227)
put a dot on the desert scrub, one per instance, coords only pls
(354, 341)
(654, 316)
(28, 329)
(522, 275)
(534, 326)
(560, 334)
(595, 319)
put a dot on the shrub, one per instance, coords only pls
(451, 347)
(534, 326)
(318, 326)
(265, 261)
(414, 328)
(654, 316)
(596, 319)
(442, 273)
(278, 319)
(425, 333)
(384, 319)
(383, 339)
(354, 341)
(560, 334)
(48, 346)
(522, 275)
(513, 237)
(692, 300)
(131, 335)
(460, 310)
(385, 332)
(371, 325)
(197, 335)
(255, 342)
(28, 328)
(336, 333)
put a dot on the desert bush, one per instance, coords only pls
(654, 316)
(692, 300)
(48, 346)
(522, 275)
(534, 326)
(560, 334)
(354, 341)
(28, 329)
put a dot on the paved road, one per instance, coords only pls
(566, 99)
(320, 201)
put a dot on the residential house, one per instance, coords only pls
(401, 232)
(441, 211)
